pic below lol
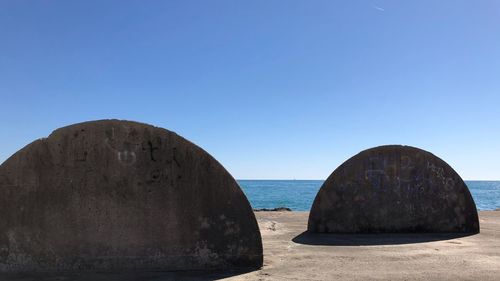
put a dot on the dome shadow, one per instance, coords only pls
(372, 239)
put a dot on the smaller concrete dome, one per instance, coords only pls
(393, 188)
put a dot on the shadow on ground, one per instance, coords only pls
(329, 239)
(124, 276)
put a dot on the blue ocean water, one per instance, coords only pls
(298, 195)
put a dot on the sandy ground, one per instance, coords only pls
(291, 254)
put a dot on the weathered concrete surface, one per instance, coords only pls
(119, 195)
(403, 256)
(393, 189)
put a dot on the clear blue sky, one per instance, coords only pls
(272, 89)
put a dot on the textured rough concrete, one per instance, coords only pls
(394, 189)
(293, 254)
(118, 195)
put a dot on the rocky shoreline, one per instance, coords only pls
(279, 209)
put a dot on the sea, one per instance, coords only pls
(298, 195)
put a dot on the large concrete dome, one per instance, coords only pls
(119, 195)
(394, 189)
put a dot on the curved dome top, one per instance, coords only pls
(394, 188)
(116, 194)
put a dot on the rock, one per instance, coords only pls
(119, 195)
(393, 189)
(279, 209)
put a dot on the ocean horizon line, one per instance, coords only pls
(325, 179)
